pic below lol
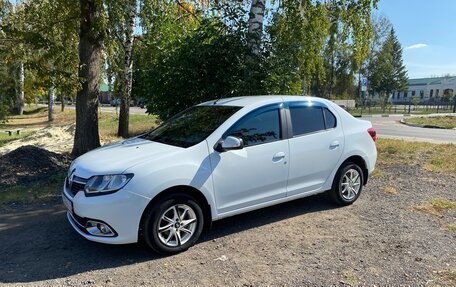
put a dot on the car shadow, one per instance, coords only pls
(38, 244)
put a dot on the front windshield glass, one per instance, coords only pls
(191, 126)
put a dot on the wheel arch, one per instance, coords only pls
(360, 162)
(190, 190)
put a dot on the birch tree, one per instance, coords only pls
(255, 25)
(122, 18)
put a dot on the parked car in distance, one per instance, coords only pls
(115, 102)
(215, 160)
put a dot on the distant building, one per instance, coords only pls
(105, 94)
(428, 90)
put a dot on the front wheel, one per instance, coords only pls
(174, 224)
(348, 184)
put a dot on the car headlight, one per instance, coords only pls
(102, 184)
(70, 170)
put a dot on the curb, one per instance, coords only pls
(423, 126)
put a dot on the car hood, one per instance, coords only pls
(117, 157)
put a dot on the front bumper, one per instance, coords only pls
(121, 210)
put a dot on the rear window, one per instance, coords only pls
(306, 119)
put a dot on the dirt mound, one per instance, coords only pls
(30, 163)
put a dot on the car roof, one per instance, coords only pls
(258, 100)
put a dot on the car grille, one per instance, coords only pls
(76, 185)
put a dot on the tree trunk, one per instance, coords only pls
(304, 84)
(128, 72)
(20, 96)
(90, 44)
(51, 105)
(255, 28)
(62, 100)
(454, 105)
(19, 107)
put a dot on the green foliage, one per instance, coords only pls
(43, 35)
(415, 100)
(308, 47)
(208, 64)
(388, 73)
(190, 51)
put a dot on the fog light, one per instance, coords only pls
(98, 228)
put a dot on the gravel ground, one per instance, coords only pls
(381, 240)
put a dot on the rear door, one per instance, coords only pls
(316, 145)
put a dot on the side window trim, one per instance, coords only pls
(260, 110)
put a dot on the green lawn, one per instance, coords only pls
(433, 157)
(5, 138)
(32, 192)
(448, 122)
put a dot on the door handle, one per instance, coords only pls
(334, 145)
(278, 156)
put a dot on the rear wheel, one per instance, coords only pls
(348, 184)
(174, 224)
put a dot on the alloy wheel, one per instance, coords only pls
(351, 184)
(177, 225)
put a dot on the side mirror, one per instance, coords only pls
(230, 143)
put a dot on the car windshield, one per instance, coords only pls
(191, 126)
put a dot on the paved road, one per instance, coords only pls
(390, 127)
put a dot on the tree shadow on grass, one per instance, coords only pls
(38, 244)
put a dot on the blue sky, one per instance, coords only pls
(427, 32)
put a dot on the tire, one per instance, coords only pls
(348, 184)
(166, 231)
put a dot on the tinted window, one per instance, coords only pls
(258, 128)
(191, 126)
(330, 119)
(306, 119)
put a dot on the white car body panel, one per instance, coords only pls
(240, 183)
(232, 182)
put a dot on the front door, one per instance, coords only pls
(257, 173)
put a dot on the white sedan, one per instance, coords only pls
(215, 160)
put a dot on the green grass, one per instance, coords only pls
(108, 123)
(33, 192)
(442, 204)
(436, 206)
(5, 138)
(448, 122)
(450, 227)
(439, 158)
